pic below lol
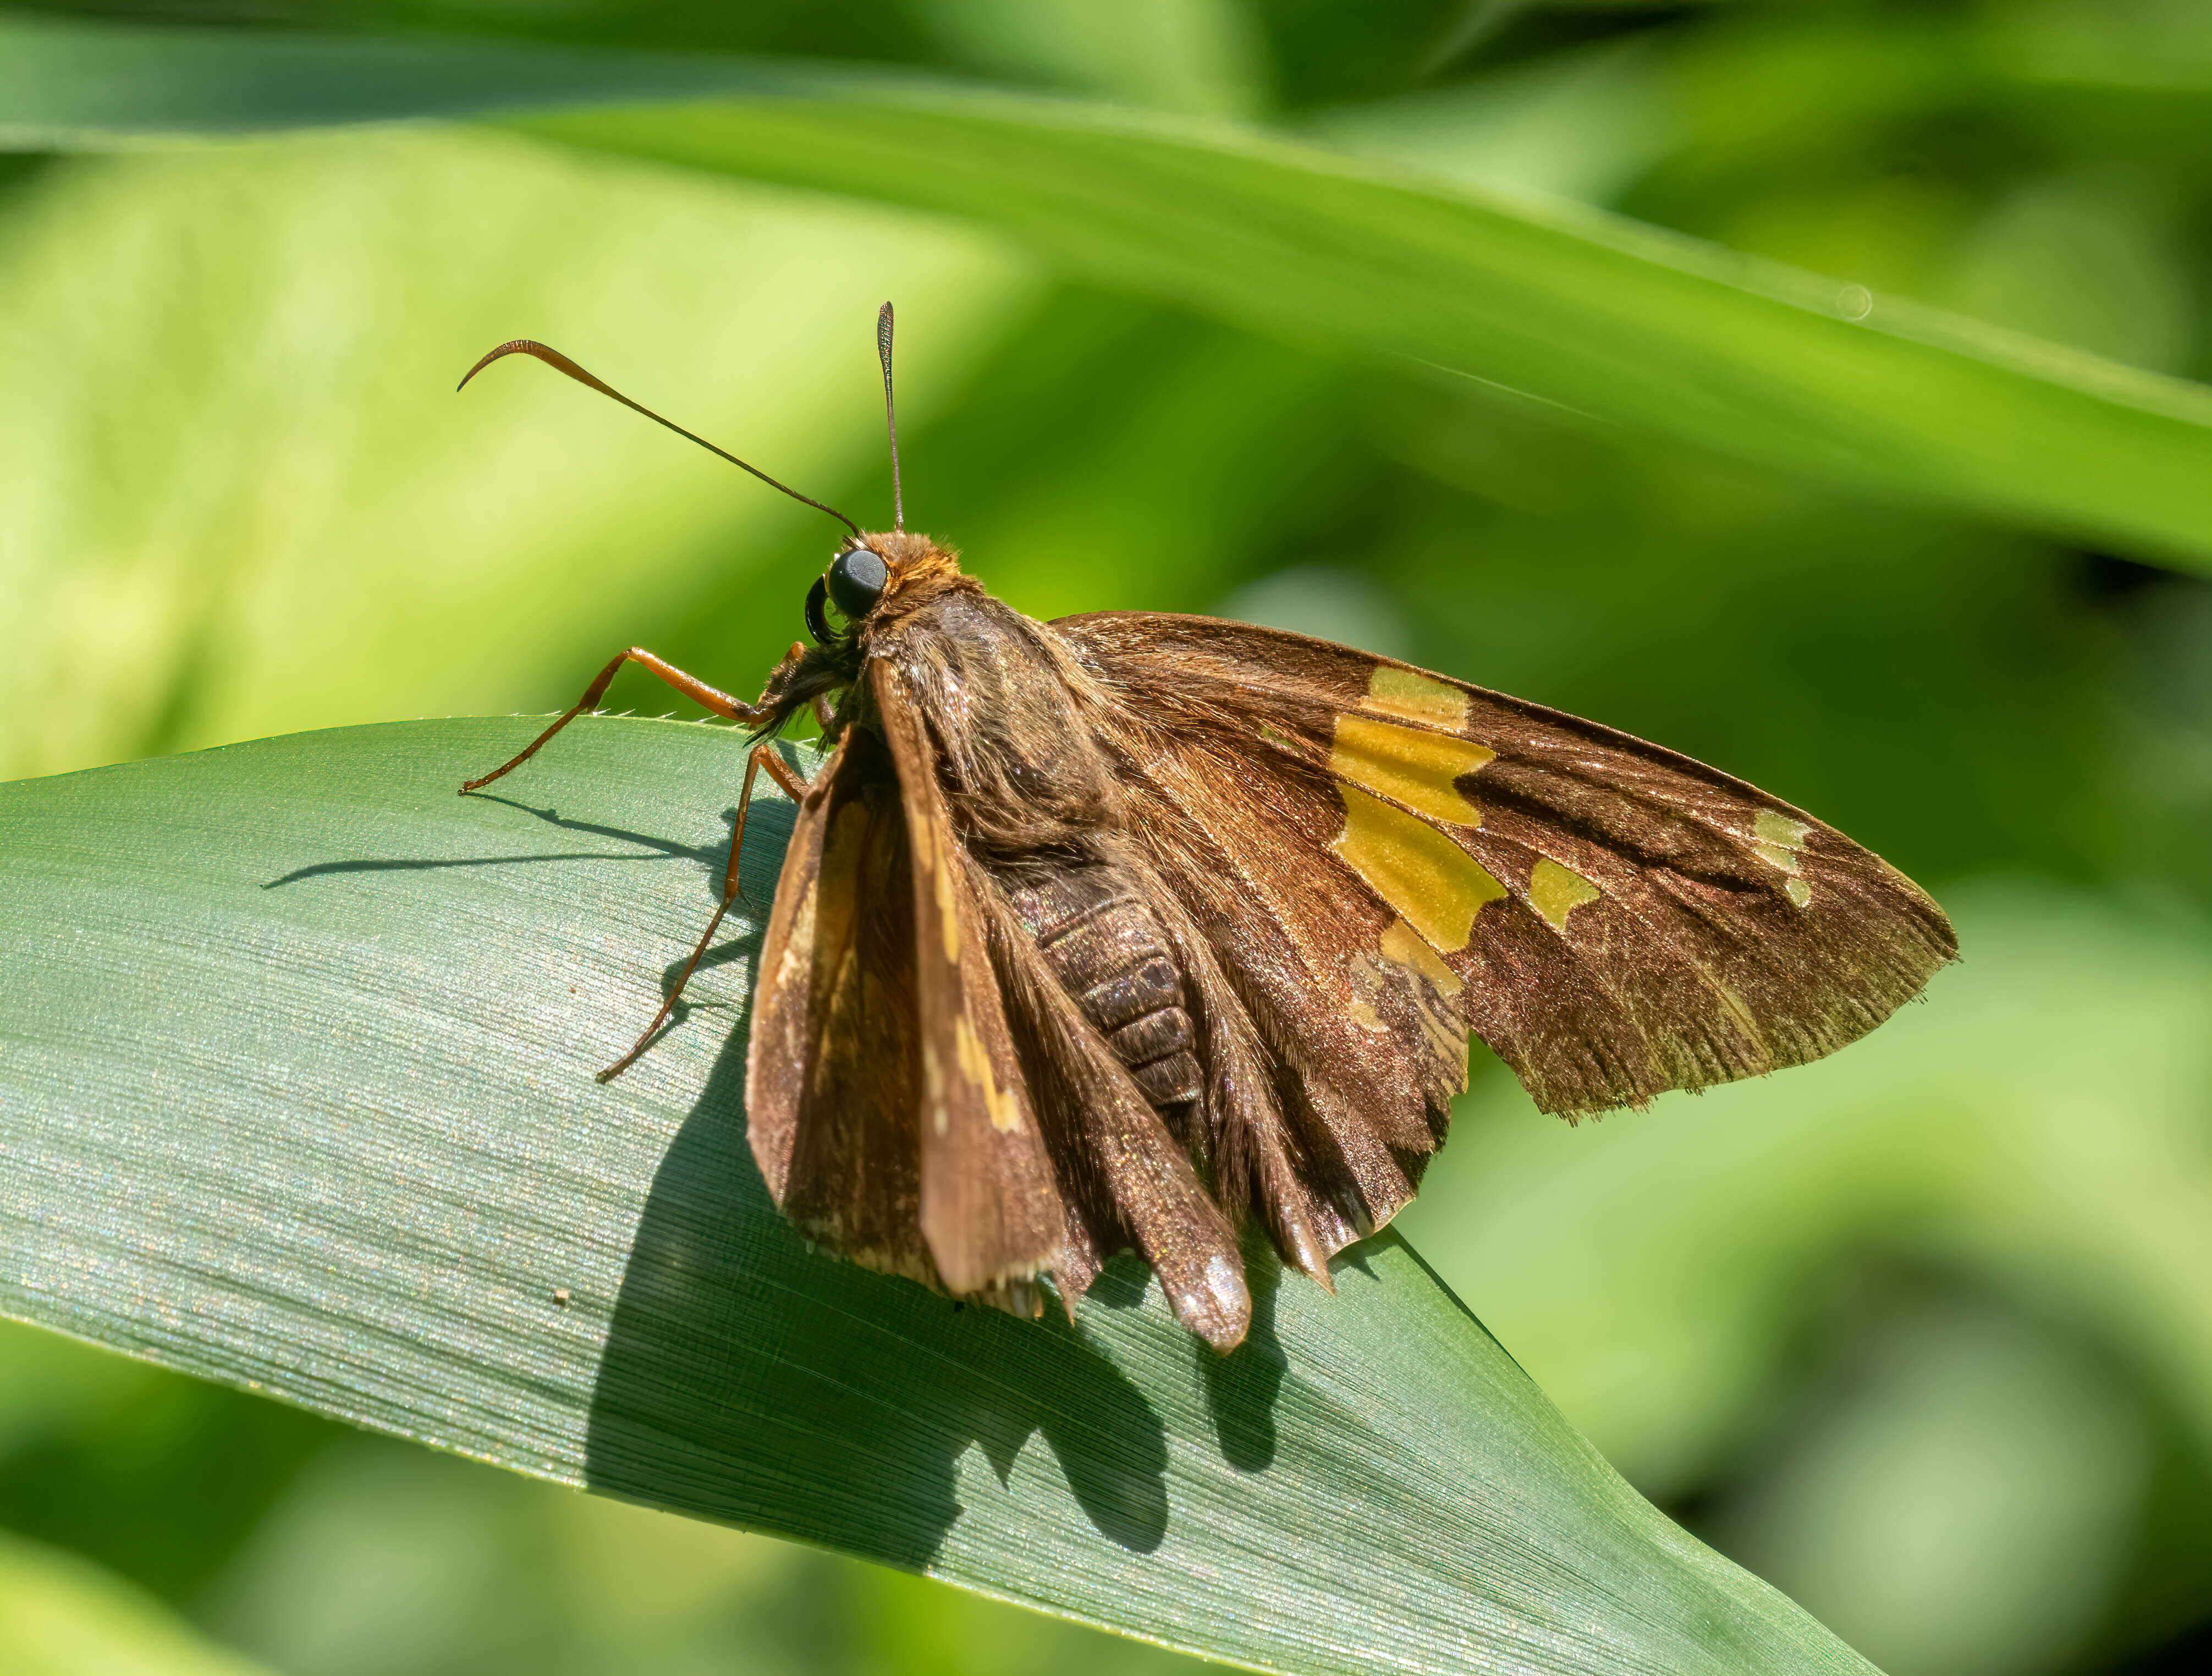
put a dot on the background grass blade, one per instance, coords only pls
(62, 1616)
(299, 1098)
(1621, 322)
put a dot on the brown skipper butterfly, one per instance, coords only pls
(1116, 930)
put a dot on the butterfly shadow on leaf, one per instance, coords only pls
(1241, 1387)
(748, 1378)
(643, 846)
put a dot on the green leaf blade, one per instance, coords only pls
(1623, 324)
(1627, 325)
(298, 1096)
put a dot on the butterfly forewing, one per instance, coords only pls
(989, 1206)
(1613, 919)
(834, 1077)
(783, 1025)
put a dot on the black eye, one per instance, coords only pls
(856, 579)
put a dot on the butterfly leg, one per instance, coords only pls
(690, 685)
(763, 755)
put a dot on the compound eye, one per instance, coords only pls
(857, 579)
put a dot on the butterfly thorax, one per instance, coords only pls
(1008, 712)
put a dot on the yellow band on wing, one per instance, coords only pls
(1435, 886)
(1418, 769)
(976, 1067)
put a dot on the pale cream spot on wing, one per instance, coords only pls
(1415, 768)
(1418, 697)
(1777, 839)
(799, 949)
(1555, 891)
(1778, 829)
(948, 915)
(933, 1082)
(1403, 944)
(976, 1067)
(928, 849)
(1437, 886)
(1414, 976)
(1741, 1013)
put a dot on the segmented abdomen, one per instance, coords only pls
(1109, 952)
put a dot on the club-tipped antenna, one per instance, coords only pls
(561, 363)
(891, 413)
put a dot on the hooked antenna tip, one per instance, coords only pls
(891, 413)
(513, 346)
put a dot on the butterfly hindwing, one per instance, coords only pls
(1363, 1091)
(1612, 918)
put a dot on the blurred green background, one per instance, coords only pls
(1923, 1333)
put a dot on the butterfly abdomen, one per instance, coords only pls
(1107, 948)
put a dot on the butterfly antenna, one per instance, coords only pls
(891, 413)
(561, 363)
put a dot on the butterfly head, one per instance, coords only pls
(875, 577)
(873, 581)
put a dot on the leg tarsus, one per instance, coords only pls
(762, 756)
(593, 694)
(668, 1006)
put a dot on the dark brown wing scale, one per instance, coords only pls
(1110, 932)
